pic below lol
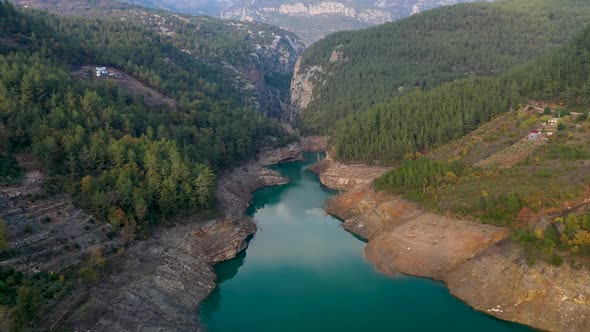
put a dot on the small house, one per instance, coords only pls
(534, 134)
(101, 71)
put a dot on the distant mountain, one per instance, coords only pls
(309, 19)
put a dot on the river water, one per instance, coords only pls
(303, 272)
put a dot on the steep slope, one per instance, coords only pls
(352, 71)
(309, 19)
(253, 58)
(422, 120)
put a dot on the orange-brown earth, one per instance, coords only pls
(478, 262)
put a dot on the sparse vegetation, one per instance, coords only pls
(514, 196)
(567, 152)
(90, 271)
(28, 296)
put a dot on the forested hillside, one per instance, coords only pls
(424, 119)
(129, 163)
(361, 69)
(254, 59)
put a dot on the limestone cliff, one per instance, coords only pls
(302, 86)
(264, 75)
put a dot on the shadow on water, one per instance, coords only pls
(224, 271)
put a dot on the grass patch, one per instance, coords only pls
(567, 152)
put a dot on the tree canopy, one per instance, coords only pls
(422, 120)
(129, 163)
(423, 51)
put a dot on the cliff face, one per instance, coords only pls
(302, 86)
(501, 284)
(478, 262)
(267, 73)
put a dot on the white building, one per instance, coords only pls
(101, 71)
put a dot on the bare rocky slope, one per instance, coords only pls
(479, 263)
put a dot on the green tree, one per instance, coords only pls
(26, 310)
(4, 241)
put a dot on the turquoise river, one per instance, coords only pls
(303, 272)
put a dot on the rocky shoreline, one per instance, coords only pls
(156, 284)
(479, 263)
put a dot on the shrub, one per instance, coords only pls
(556, 260)
(88, 275)
(544, 118)
(568, 152)
(420, 173)
(9, 169)
(27, 306)
(4, 243)
(561, 112)
(561, 125)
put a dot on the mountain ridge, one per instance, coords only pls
(309, 19)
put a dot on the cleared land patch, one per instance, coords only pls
(126, 82)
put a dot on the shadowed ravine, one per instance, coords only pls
(303, 272)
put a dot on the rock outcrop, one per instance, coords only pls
(314, 143)
(501, 283)
(266, 73)
(302, 86)
(344, 177)
(235, 187)
(157, 284)
(369, 16)
(478, 262)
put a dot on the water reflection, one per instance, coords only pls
(303, 272)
